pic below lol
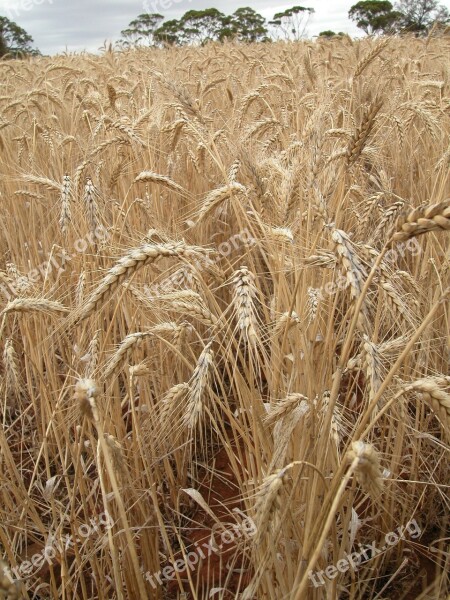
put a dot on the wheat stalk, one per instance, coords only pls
(268, 503)
(44, 181)
(373, 366)
(86, 394)
(125, 345)
(171, 401)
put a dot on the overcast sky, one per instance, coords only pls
(73, 25)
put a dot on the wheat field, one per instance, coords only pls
(224, 322)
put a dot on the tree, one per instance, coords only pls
(374, 16)
(3, 46)
(142, 29)
(170, 33)
(14, 40)
(293, 21)
(201, 26)
(246, 25)
(418, 16)
(330, 34)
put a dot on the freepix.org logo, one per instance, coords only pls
(366, 553)
(56, 259)
(14, 8)
(246, 528)
(55, 546)
(243, 238)
(155, 6)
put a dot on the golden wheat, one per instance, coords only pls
(277, 371)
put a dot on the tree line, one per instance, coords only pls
(246, 25)
(201, 26)
(198, 27)
(410, 16)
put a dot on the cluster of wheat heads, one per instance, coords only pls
(224, 300)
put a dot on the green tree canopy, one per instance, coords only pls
(246, 25)
(292, 22)
(14, 40)
(419, 15)
(201, 26)
(330, 34)
(169, 33)
(374, 16)
(142, 29)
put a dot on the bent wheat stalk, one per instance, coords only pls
(150, 177)
(127, 266)
(33, 305)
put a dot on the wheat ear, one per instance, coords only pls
(434, 217)
(219, 195)
(150, 177)
(33, 305)
(65, 216)
(359, 138)
(244, 297)
(125, 345)
(197, 387)
(366, 463)
(436, 392)
(127, 266)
